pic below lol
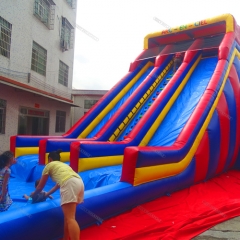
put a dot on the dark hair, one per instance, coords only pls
(55, 155)
(5, 158)
(37, 182)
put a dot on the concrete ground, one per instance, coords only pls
(228, 230)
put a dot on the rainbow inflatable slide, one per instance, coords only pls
(153, 133)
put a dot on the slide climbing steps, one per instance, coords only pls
(154, 89)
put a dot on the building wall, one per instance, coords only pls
(79, 96)
(27, 28)
(17, 98)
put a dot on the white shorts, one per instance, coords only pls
(72, 191)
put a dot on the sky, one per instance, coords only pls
(110, 33)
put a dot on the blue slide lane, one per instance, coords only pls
(184, 105)
(120, 103)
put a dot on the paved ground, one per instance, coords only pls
(229, 230)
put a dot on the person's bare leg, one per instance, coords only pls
(66, 233)
(72, 227)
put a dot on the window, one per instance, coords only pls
(44, 10)
(72, 3)
(89, 103)
(5, 37)
(63, 74)
(32, 121)
(3, 104)
(60, 121)
(67, 35)
(39, 59)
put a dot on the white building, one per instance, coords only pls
(85, 99)
(36, 67)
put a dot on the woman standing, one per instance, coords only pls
(6, 160)
(71, 190)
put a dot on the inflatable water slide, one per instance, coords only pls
(153, 133)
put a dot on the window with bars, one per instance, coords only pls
(67, 35)
(3, 105)
(71, 3)
(5, 37)
(60, 121)
(44, 10)
(39, 59)
(63, 73)
(89, 103)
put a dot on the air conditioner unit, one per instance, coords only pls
(65, 45)
(45, 20)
